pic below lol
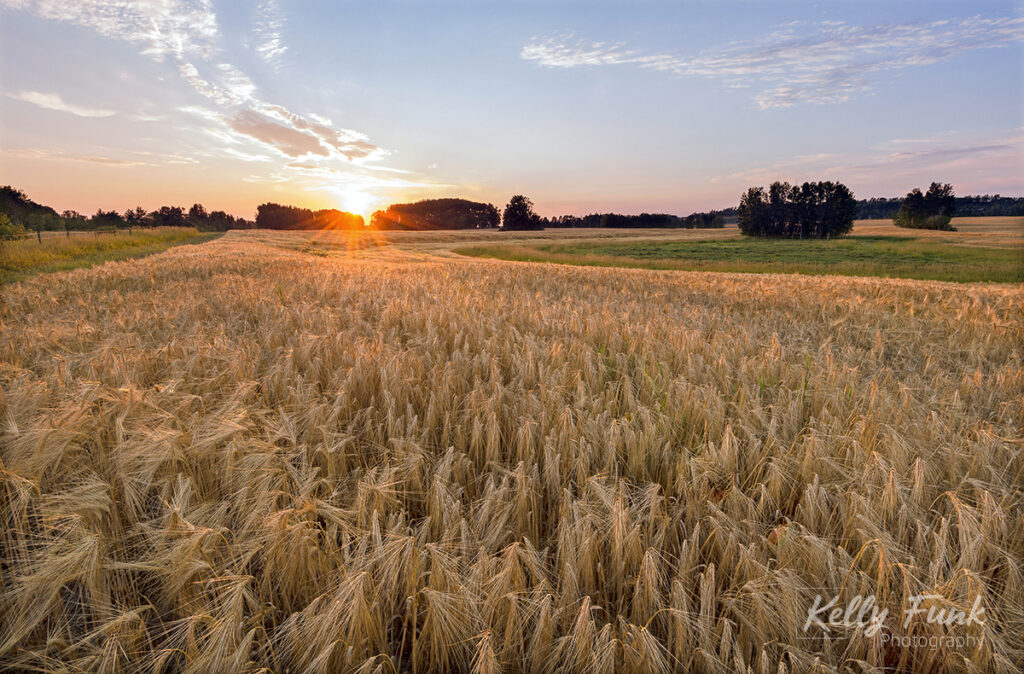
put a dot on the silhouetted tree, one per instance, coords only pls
(220, 221)
(519, 214)
(838, 209)
(276, 216)
(939, 199)
(198, 217)
(73, 220)
(137, 217)
(933, 210)
(437, 214)
(106, 219)
(332, 218)
(168, 216)
(754, 212)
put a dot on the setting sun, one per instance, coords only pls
(356, 201)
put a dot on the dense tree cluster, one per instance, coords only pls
(932, 210)
(519, 215)
(976, 206)
(276, 216)
(25, 213)
(812, 210)
(437, 214)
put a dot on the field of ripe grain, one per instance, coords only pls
(241, 455)
(60, 251)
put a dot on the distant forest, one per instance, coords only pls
(646, 220)
(881, 208)
(24, 212)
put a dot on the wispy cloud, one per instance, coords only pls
(36, 153)
(358, 180)
(55, 102)
(161, 27)
(187, 32)
(286, 139)
(819, 63)
(350, 144)
(268, 32)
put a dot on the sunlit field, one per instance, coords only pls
(57, 251)
(982, 249)
(297, 452)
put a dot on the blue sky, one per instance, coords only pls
(669, 107)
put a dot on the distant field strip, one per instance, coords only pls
(862, 256)
(57, 252)
(984, 249)
(267, 454)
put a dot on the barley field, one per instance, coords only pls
(273, 452)
(60, 251)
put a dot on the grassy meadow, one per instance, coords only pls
(320, 453)
(57, 252)
(984, 251)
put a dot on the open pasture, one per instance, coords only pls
(982, 249)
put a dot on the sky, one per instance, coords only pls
(582, 106)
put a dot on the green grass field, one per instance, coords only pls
(25, 257)
(884, 256)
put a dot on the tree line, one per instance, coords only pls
(24, 213)
(710, 219)
(971, 206)
(810, 210)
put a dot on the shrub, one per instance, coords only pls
(10, 230)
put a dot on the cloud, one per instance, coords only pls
(285, 139)
(187, 32)
(162, 27)
(55, 102)
(268, 32)
(216, 93)
(245, 156)
(334, 177)
(826, 62)
(348, 143)
(555, 53)
(35, 153)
